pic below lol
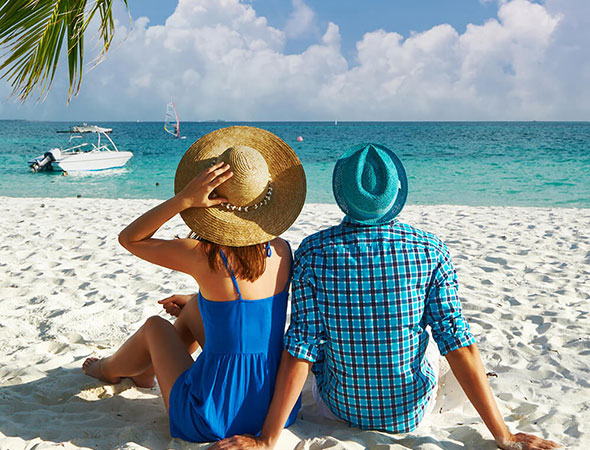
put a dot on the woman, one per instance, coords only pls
(237, 188)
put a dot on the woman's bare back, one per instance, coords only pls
(218, 286)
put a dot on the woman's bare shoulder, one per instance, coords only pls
(281, 246)
(194, 247)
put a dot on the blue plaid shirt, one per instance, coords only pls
(361, 299)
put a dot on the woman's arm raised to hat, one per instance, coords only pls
(137, 236)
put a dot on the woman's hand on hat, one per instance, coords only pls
(199, 192)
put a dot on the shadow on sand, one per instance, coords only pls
(68, 406)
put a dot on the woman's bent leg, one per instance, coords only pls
(156, 344)
(189, 326)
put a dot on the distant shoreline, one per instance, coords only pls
(340, 122)
(47, 200)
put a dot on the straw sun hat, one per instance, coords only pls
(265, 194)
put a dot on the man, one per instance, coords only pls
(364, 293)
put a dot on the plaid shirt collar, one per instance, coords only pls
(348, 222)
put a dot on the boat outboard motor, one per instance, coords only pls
(45, 163)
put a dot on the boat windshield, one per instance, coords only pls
(90, 135)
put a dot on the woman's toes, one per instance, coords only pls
(88, 362)
(93, 367)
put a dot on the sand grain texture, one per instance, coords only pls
(68, 291)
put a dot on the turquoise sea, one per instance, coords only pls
(478, 163)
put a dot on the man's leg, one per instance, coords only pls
(432, 356)
(323, 409)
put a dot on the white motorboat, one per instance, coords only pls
(86, 156)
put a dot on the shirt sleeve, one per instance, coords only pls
(305, 336)
(443, 311)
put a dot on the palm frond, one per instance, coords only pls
(32, 34)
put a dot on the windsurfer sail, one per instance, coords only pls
(171, 122)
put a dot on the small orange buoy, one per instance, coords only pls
(299, 138)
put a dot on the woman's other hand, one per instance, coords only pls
(198, 193)
(241, 442)
(174, 304)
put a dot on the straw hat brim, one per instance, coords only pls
(241, 228)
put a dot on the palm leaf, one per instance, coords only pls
(33, 32)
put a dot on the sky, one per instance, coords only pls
(376, 60)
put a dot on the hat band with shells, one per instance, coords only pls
(250, 186)
(264, 201)
(260, 204)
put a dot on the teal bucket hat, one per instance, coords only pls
(370, 184)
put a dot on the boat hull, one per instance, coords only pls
(91, 161)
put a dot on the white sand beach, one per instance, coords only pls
(68, 291)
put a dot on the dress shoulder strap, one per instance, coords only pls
(231, 273)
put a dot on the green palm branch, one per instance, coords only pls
(32, 33)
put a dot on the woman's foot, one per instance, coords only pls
(93, 368)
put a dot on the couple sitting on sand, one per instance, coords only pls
(369, 298)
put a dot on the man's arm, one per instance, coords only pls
(468, 368)
(290, 380)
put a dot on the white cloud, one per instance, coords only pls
(218, 59)
(301, 20)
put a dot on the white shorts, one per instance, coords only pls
(432, 355)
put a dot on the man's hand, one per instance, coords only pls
(174, 304)
(467, 367)
(523, 441)
(240, 442)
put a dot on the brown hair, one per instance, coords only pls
(248, 263)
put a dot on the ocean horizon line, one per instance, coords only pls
(313, 121)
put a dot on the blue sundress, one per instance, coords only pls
(228, 389)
